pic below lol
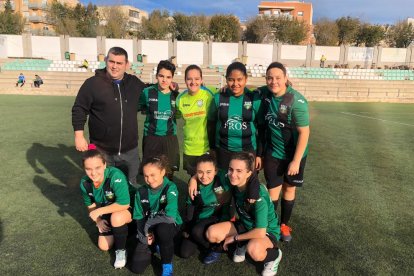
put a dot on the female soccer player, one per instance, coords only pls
(257, 230)
(105, 192)
(234, 117)
(208, 207)
(287, 133)
(192, 106)
(160, 128)
(156, 215)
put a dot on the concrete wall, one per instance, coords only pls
(331, 53)
(127, 44)
(259, 54)
(14, 45)
(84, 48)
(155, 50)
(393, 55)
(360, 56)
(52, 51)
(190, 52)
(293, 55)
(204, 53)
(3, 46)
(224, 53)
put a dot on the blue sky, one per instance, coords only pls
(378, 12)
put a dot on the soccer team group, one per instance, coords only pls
(228, 137)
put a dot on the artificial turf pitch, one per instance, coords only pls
(354, 215)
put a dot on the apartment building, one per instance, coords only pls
(134, 15)
(291, 9)
(35, 13)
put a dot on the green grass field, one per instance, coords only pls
(354, 215)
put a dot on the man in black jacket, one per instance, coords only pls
(110, 99)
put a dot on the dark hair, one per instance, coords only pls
(236, 66)
(167, 65)
(93, 153)
(193, 67)
(207, 157)
(118, 51)
(276, 65)
(247, 157)
(161, 161)
(281, 67)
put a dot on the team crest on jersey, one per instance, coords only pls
(283, 109)
(200, 103)
(172, 103)
(247, 105)
(163, 199)
(109, 195)
(218, 190)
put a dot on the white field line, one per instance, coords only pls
(373, 118)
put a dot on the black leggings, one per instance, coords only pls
(197, 237)
(164, 237)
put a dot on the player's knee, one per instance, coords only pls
(256, 251)
(211, 235)
(119, 218)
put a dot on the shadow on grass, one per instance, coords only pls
(61, 163)
(1, 231)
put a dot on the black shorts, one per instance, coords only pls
(224, 157)
(162, 145)
(240, 228)
(107, 217)
(190, 164)
(275, 171)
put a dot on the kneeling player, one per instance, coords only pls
(105, 192)
(257, 229)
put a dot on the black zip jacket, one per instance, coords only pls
(112, 110)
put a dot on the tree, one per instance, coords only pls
(115, 23)
(257, 29)
(370, 35)
(400, 35)
(157, 26)
(326, 32)
(347, 29)
(190, 28)
(78, 21)
(225, 28)
(10, 23)
(288, 31)
(87, 19)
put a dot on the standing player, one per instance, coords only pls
(106, 194)
(287, 135)
(157, 217)
(234, 117)
(192, 106)
(257, 230)
(110, 101)
(160, 128)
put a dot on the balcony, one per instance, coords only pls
(37, 19)
(38, 6)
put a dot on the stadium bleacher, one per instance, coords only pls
(63, 77)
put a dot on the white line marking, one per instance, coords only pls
(373, 118)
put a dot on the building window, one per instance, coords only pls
(276, 12)
(134, 14)
(300, 13)
(267, 12)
